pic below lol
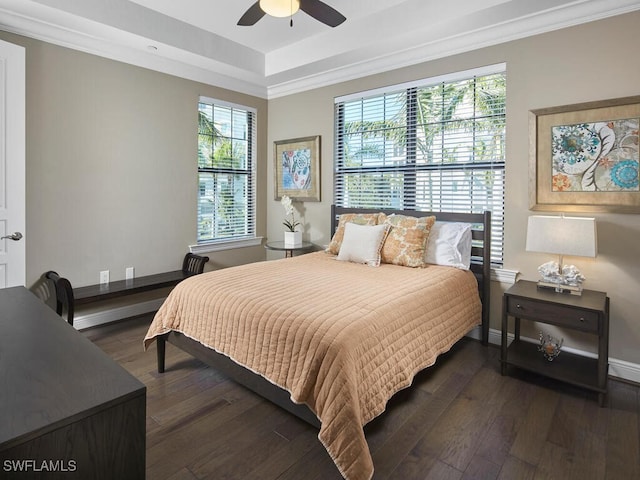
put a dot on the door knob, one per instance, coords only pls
(15, 236)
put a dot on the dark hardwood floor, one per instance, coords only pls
(460, 420)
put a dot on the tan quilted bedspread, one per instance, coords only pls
(340, 337)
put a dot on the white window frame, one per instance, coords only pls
(250, 239)
(341, 170)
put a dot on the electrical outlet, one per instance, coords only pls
(104, 277)
(129, 273)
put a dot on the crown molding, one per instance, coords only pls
(105, 41)
(443, 46)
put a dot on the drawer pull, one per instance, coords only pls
(582, 319)
(518, 306)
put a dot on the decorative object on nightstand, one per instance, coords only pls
(292, 237)
(562, 235)
(550, 346)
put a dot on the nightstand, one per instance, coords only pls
(287, 249)
(586, 313)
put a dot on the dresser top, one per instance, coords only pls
(50, 374)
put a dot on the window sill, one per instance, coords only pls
(503, 275)
(220, 245)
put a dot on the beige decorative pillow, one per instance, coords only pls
(357, 218)
(362, 243)
(407, 240)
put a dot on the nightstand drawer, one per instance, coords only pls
(577, 319)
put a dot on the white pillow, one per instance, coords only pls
(362, 243)
(450, 245)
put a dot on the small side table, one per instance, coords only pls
(288, 250)
(586, 313)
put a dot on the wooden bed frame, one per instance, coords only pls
(480, 266)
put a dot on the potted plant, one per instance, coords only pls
(292, 237)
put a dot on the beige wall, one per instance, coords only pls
(590, 62)
(111, 159)
(111, 166)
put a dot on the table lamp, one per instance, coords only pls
(560, 235)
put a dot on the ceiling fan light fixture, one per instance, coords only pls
(280, 8)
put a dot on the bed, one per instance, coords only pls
(331, 341)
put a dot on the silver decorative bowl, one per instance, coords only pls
(550, 346)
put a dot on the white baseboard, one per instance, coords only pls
(617, 368)
(624, 370)
(93, 319)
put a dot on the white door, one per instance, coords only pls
(12, 165)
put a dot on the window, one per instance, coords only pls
(226, 172)
(434, 145)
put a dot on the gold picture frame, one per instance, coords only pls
(584, 157)
(297, 169)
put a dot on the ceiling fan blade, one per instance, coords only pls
(252, 15)
(322, 12)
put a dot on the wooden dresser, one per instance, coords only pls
(67, 410)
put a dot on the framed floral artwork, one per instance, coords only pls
(584, 157)
(297, 169)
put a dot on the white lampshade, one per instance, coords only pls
(280, 8)
(562, 235)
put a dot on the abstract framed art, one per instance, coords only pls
(297, 169)
(584, 157)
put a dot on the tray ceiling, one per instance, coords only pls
(199, 39)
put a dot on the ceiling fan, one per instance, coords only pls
(285, 8)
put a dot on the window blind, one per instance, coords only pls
(429, 146)
(226, 171)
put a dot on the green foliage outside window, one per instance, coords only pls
(225, 173)
(434, 148)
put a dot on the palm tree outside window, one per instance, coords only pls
(226, 172)
(432, 145)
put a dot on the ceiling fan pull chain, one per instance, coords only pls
(291, 19)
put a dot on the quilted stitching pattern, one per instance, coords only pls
(340, 337)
